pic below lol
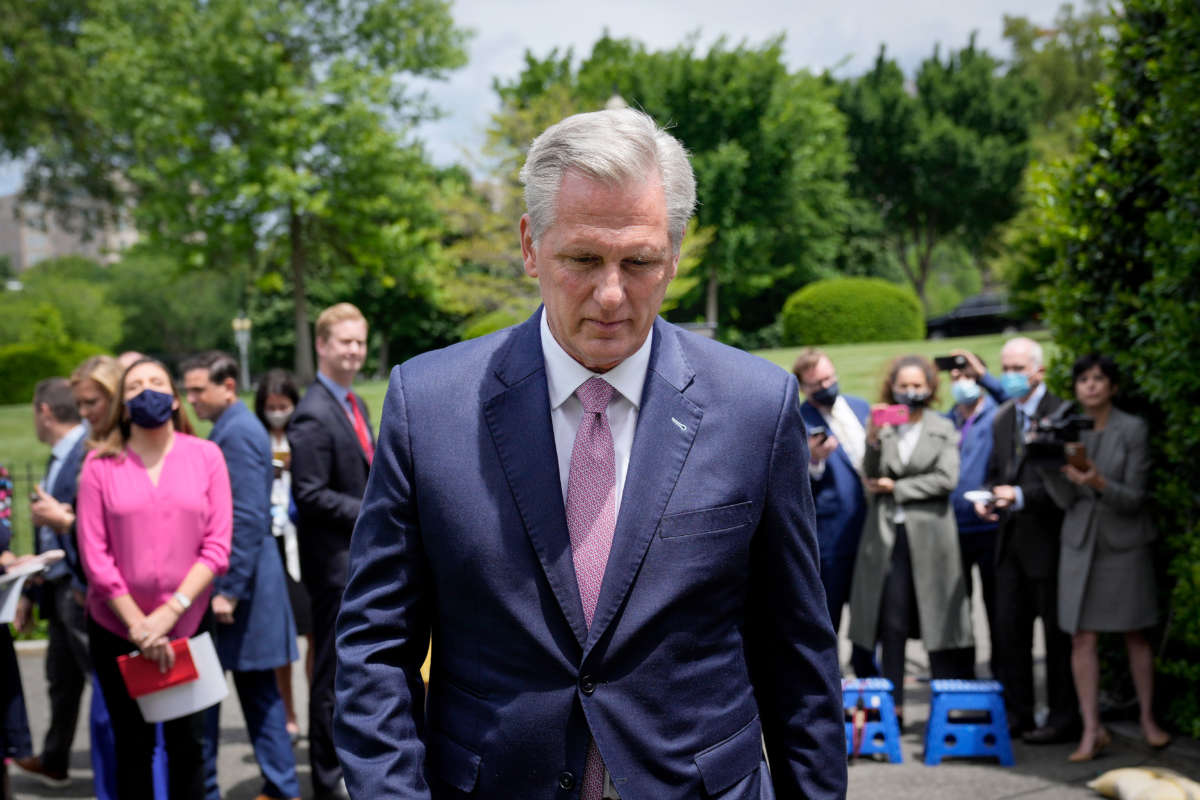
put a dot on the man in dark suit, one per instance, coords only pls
(332, 447)
(1027, 555)
(255, 632)
(600, 519)
(837, 436)
(60, 594)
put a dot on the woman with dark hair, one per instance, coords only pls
(274, 402)
(908, 578)
(1106, 567)
(154, 520)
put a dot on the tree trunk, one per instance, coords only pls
(710, 304)
(304, 347)
(385, 363)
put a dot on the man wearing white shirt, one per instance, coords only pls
(837, 441)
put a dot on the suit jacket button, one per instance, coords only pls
(566, 781)
(586, 685)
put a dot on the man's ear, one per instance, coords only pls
(230, 386)
(527, 248)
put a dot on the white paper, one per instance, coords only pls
(207, 690)
(10, 596)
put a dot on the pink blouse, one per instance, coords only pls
(139, 539)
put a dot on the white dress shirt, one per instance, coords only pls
(842, 423)
(564, 375)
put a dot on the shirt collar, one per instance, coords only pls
(1030, 404)
(564, 374)
(63, 447)
(339, 391)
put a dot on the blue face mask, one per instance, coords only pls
(150, 409)
(825, 396)
(965, 391)
(1014, 384)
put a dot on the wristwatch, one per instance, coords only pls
(183, 600)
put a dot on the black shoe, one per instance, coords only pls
(1048, 734)
(1020, 728)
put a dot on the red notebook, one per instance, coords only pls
(142, 676)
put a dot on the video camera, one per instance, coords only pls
(1048, 437)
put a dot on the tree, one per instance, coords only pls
(235, 126)
(61, 300)
(943, 159)
(1121, 222)
(767, 147)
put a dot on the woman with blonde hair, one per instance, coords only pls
(155, 524)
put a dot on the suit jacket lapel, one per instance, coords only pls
(340, 411)
(518, 417)
(666, 427)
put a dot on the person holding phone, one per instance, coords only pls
(155, 521)
(1106, 564)
(908, 579)
(837, 436)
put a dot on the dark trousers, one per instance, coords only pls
(1020, 599)
(266, 722)
(326, 769)
(836, 574)
(67, 670)
(978, 549)
(899, 621)
(135, 739)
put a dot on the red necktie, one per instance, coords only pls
(591, 521)
(360, 427)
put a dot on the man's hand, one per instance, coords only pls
(986, 511)
(880, 485)
(48, 511)
(1005, 496)
(23, 621)
(820, 447)
(973, 361)
(223, 608)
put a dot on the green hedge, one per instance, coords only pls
(22, 365)
(1126, 282)
(487, 323)
(846, 310)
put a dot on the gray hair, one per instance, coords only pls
(1027, 345)
(613, 146)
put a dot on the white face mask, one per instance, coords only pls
(278, 419)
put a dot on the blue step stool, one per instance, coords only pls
(881, 734)
(973, 736)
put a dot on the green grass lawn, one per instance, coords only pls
(861, 369)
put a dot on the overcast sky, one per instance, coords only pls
(819, 34)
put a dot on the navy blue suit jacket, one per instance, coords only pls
(710, 629)
(840, 501)
(263, 632)
(975, 452)
(64, 490)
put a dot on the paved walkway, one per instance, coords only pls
(1041, 773)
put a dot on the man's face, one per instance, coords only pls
(1018, 359)
(820, 376)
(207, 398)
(603, 266)
(341, 354)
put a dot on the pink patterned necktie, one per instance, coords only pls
(591, 520)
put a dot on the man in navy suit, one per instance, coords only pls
(255, 631)
(837, 436)
(332, 447)
(60, 595)
(601, 520)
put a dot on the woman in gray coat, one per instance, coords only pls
(1106, 567)
(908, 578)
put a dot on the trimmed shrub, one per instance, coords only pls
(841, 310)
(22, 365)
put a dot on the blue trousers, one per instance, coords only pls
(266, 722)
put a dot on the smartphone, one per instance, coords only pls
(947, 363)
(1077, 456)
(889, 415)
(818, 431)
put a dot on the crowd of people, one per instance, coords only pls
(1044, 496)
(166, 535)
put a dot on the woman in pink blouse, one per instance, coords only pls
(155, 518)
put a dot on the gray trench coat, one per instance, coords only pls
(923, 486)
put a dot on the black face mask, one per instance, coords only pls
(825, 396)
(912, 399)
